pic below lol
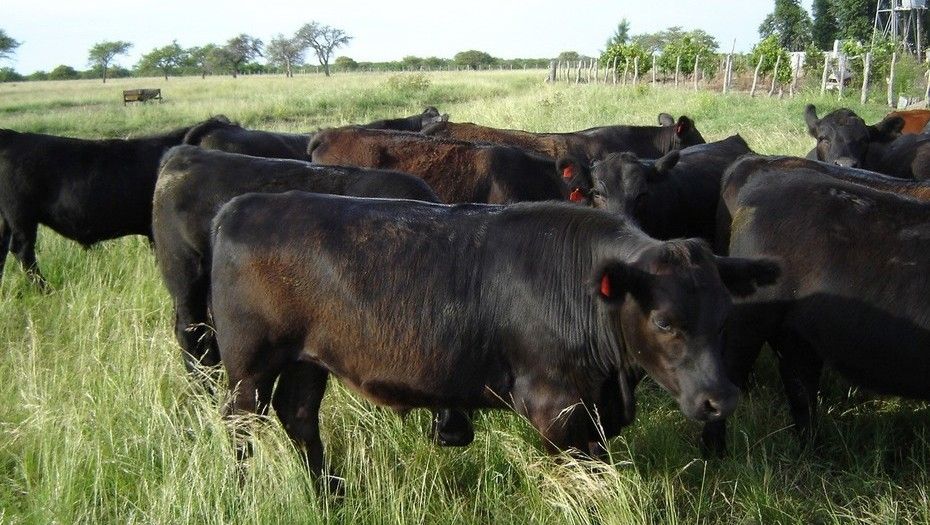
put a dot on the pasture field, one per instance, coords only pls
(99, 423)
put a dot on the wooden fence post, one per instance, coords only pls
(826, 67)
(927, 92)
(697, 61)
(755, 78)
(677, 69)
(552, 70)
(613, 69)
(635, 70)
(578, 73)
(894, 62)
(654, 70)
(867, 64)
(775, 75)
(726, 75)
(841, 75)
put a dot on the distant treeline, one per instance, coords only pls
(341, 64)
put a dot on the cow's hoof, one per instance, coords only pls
(452, 428)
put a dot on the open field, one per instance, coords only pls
(99, 423)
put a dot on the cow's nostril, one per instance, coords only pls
(711, 407)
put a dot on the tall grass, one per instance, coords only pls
(98, 422)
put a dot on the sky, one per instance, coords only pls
(61, 32)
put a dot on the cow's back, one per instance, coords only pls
(852, 258)
(302, 267)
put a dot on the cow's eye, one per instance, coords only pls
(662, 324)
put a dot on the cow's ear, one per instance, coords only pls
(887, 130)
(666, 163)
(577, 178)
(684, 126)
(444, 117)
(743, 276)
(666, 120)
(614, 280)
(810, 118)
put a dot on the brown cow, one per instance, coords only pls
(589, 145)
(914, 119)
(458, 171)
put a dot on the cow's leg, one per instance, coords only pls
(23, 246)
(800, 368)
(747, 330)
(297, 403)
(191, 323)
(5, 235)
(452, 427)
(250, 382)
(560, 418)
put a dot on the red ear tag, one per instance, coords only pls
(568, 171)
(679, 128)
(605, 286)
(576, 195)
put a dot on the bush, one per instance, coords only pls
(624, 52)
(769, 50)
(409, 83)
(8, 74)
(688, 47)
(63, 72)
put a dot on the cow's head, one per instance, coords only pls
(431, 116)
(624, 183)
(576, 176)
(844, 139)
(685, 132)
(670, 305)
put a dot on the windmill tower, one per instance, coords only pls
(901, 21)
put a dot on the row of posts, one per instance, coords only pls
(591, 71)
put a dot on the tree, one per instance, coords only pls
(8, 74)
(7, 45)
(824, 29)
(627, 52)
(854, 18)
(203, 59)
(323, 39)
(621, 34)
(687, 46)
(412, 62)
(790, 23)
(568, 56)
(769, 50)
(286, 52)
(102, 54)
(63, 72)
(238, 51)
(345, 64)
(473, 59)
(166, 60)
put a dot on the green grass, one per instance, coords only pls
(98, 422)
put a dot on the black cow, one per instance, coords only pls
(220, 133)
(192, 186)
(907, 156)
(853, 259)
(532, 306)
(193, 183)
(429, 116)
(86, 190)
(674, 196)
(843, 138)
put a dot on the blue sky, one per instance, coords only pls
(59, 32)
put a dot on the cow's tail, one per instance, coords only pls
(196, 133)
